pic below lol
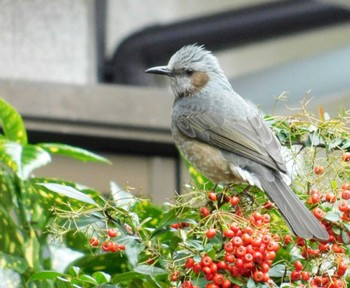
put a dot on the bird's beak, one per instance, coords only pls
(161, 70)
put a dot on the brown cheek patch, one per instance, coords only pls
(199, 80)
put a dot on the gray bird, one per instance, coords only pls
(225, 138)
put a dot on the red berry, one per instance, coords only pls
(175, 225)
(266, 239)
(174, 276)
(229, 258)
(268, 205)
(287, 239)
(345, 194)
(305, 275)
(197, 268)
(222, 265)
(246, 238)
(257, 216)
(204, 212)
(298, 266)
(187, 284)
(106, 246)
(206, 261)
(295, 275)
(210, 233)
(121, 247)
(265, 267)
(206, 270)
(241, 251)
(342, 265)
(226, 283)
(234, 200)
(315, 198)
(266, 218)
(114, 247)
(331, 198)
(112, 233)
(229, 247)
(258, 276)
(346, 216)
(346, 156)
(213, 268)
(248, 258)
(228, 233)
(189, 263)
(345, 186)
(318, 213)
(218, 279)
(343, 206)
(237, 241)
(94, 242)
(234, 227)
(256, 241)
(318, 170)
(212, 196)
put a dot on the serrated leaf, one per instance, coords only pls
(332, 216)
(12, 123)
(69, 192)
(73, 152)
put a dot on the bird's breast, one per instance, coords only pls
(207, 159)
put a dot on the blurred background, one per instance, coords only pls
(75, 70)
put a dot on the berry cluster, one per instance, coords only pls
(246, 252)
(108, 245)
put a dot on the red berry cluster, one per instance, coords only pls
(246, 253)
(108, 245)
(180, 225)
(325, 281)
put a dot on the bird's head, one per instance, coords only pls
(191, 69)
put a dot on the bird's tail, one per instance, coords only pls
(300, 220)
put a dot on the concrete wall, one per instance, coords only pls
(47, 40)
(48, 69)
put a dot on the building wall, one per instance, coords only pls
(50, 41)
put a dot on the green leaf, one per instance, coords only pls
(110, 263)
(277, 270)
(123, 199)
(13, 262)
(345, 237)
(347, 226)
(69, 192)
(73, 152)
(332, 216)
(23, 159)
(251, 283)
(101, 277)
(31, 251)
(12, 123)
(87, 279)
(149, 270)
(44, 275)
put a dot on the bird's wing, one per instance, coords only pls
(250, 138)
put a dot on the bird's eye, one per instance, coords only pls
(188, 72)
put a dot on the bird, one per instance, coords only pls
(224, 136)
